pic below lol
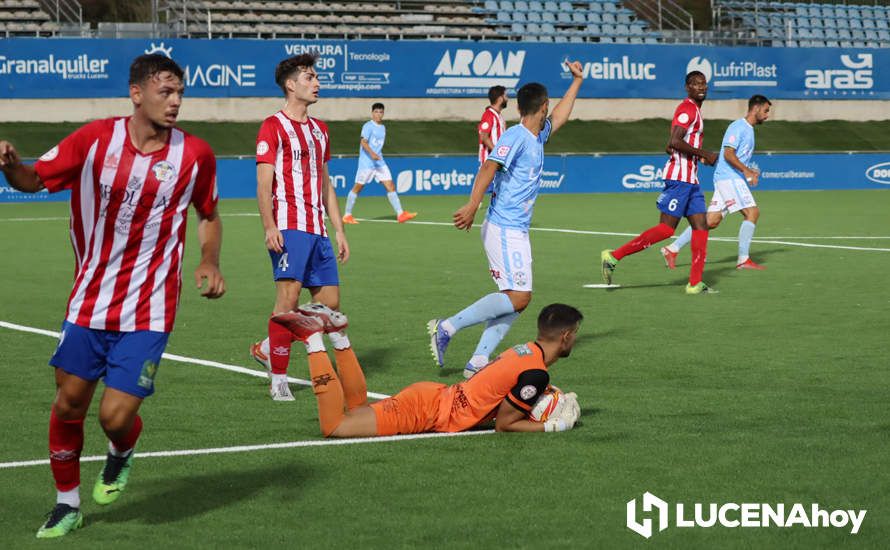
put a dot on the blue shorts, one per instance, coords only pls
(681, 199)
(127, 360)
(306, 258)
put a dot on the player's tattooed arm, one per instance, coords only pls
(332, 207)
(751, 176)
(563, 109)
(678, 144)
(210, 236)
(466, 214)
(20, 176)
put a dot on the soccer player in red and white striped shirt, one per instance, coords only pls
(492, 124)
(294, 192)
(682, 196)
(132, 180)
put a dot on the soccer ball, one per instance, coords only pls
(548, 405)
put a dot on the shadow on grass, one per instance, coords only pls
(177, 498)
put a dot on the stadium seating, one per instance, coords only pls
(798, 24)
(25, 18)
(530, 20)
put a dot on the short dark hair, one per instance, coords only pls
(758, 100)
(556, 319)
(694, 74)
(530, 98)
(378, 105)
(148, 65)
(494, 93)
(287, 67)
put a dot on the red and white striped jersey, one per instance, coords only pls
(128, 220)
(681, 167)
(298, 151)
(492, 123)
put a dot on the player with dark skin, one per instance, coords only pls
(697, 91)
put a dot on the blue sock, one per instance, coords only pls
(350, 202)
(746, 233)
(494, 332)
(484, 309)
(682, 240)
(394, 201)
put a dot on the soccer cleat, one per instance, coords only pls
(113, 478)
(349, 219)
(470, 370)
(405, 216)
(670, 257)
(256, 351)
(750, 264)
(60, 521)
(333, 321)
(700, 288)
(609, 264)
(281, 391)
(438, 340)
(301, 325)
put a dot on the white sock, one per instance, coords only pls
(278, 378)
(339, 340)
(448, 327)
(71, 498)
(114, 452)
(478, 361)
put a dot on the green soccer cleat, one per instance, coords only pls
(62, 520)
(700, 288)
(113, 478)
(609, 265)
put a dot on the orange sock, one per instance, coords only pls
(327, 388)
(351, 376)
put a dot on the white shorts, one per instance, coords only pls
(731, 196)
(366, 175)
(509, 256)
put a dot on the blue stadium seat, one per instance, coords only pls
(868, 24)
(813, 11)
(882, 24)
(506, 5)
(637, 29)
(533, 28)
(545, 38)
(578, 18)
(791, 43)
(606, 40)
(535, 6)
(827, 11)
(610, 7)
(855, 23)
(846, 44)
(858, 34)
(871, 34)
(520, 5)
(845, 34)
(576, 39)
(832, 44)
(518, 17)
(829, 23)
(551, 6)
(802, 22)
(593, 28)
(517, 29)
(832, 34)
(595, 7)
(533, 17)
(491, 5)
(624, 18)
(609, 18)
(884, 35)
(548, 28)
(548, 17)
(566, 7)
(853, 13)
(622, 30)
(650, 40)
(594, 17)
(564, 18)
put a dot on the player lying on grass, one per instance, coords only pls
(732, 177)
(505, 390)
(132, 180)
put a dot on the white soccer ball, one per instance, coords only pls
(550, 404)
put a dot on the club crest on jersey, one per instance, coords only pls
(164, 171)
(51, 154)
(262, 148)
(317, 134)
(503, 150)
(111, 162)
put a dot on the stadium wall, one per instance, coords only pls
(81, 79)
(562, 174)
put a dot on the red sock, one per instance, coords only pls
(646, 239)
(699, 251)
(279, 347)
(65, 445)
(129, 441)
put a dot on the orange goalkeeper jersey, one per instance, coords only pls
(518, 375)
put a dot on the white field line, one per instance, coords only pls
(249, 448)
(761, 240)
(187, 360)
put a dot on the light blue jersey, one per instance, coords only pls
(515, 189)
(739, 136)
(375, 134)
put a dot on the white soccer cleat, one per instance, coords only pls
(281, 391)
(333, 321)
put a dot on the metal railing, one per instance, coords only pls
(178, 15)
(63, 11)
(666, 15)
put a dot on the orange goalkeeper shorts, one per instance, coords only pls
(411, 411)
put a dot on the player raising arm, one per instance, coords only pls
(506, 390)
(132, 180)
(732, 177)
(515, 167)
